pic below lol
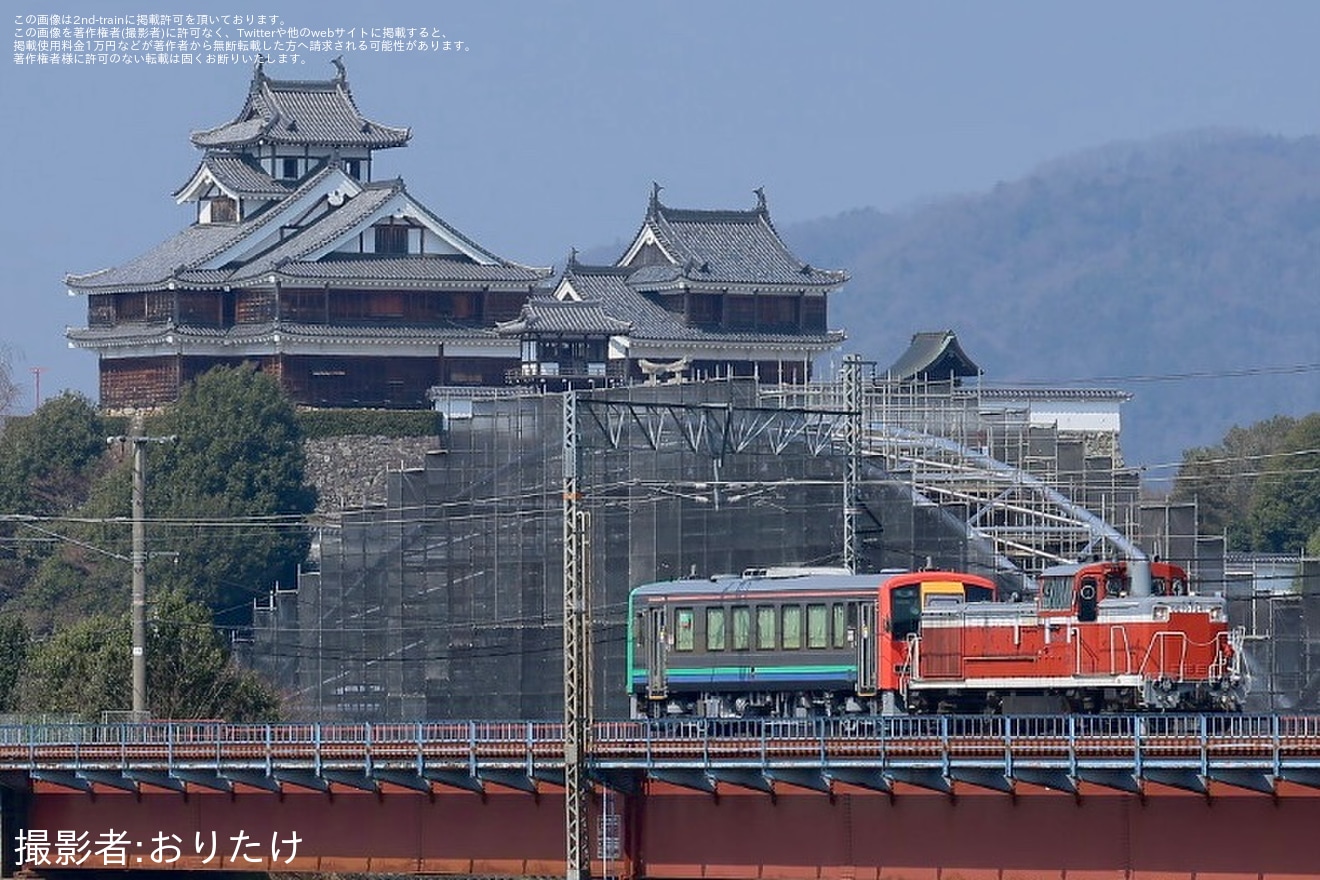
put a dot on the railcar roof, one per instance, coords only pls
(735, 585)
(740, 585)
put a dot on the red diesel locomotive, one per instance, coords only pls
(1103, 637)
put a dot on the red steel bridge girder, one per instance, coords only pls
(678, 833)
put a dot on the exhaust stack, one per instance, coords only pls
(1138, 571)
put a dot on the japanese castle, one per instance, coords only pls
(354, 293)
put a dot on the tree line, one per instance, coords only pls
(1259, 486)
(226, 505)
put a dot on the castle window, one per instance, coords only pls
(289, 169)
(223, 210)
(391, 239)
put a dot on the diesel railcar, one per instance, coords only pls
(795, 642)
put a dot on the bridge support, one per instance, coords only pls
(14, 804)
(669, 831)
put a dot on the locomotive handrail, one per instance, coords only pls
(1159, 638)
(1117, 630)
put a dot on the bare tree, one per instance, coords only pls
(9, 390)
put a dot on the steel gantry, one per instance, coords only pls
(715, 431)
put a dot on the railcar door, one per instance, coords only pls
(657, 653)
(867, 656)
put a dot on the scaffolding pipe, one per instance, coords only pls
(1097, 526)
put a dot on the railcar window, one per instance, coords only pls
(905, 611)
(683, 638)
(714, 629)
(765, 628)
(742, 627)
(840, 625)
(792, 627)
(818, 626)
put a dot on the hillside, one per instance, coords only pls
(1143, 266)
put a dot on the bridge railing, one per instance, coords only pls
(1056, 740)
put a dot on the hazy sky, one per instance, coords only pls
(546, 131)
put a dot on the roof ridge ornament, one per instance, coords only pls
(258, 74)
(760, 200)
(653, 209)
(342, 71)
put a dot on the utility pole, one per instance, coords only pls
(36, 378)
(852, 434)
(139, 559)
(577, 656)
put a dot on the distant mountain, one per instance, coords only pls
(1184, 269)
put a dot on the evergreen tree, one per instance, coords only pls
(231, 491)
(86, 668)
(1285, 508)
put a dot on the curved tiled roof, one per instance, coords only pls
(187, 250)
(404, 269)
(936, 356)
(169, 333)
(727, 247)
(311, 112)
(241, 175)
(610, 288)
(553, 316)
(184, 258)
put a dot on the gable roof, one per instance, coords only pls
(935, 356)
(303, 112)
(296, 238)
(238, 175)
(721, 247)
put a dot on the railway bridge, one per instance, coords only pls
(878, 797)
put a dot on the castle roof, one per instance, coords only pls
(721, 247)
(612, 289)
(301, 236)
(934, 356)
(546, 316)
(301, 112)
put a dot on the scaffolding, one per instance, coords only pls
(448, 601)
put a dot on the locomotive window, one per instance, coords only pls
(1115, 585)
(765, 628)
(792, 627)
(683, 636)
(1055, 593)
(905, 610)
(742, 627)
(978, 593)
(840, 625)
(714, 629)
(818, 626)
